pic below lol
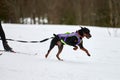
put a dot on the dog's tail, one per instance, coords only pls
(46, 39)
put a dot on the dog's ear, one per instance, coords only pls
(84, 28)
(81, 27)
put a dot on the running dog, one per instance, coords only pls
(73, 39)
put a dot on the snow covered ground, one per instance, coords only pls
(104, 63)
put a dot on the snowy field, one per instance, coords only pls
(104, 63)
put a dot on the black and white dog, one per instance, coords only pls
(73, 39)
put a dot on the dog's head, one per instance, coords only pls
(85, 32)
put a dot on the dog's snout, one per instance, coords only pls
(90, 35)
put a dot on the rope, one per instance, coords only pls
(23, 41)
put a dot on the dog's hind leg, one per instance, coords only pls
(51, 47)
(60, 48)
(47, 53)
(52, 44)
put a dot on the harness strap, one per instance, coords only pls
(63, 42)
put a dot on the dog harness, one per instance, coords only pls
(63, 37)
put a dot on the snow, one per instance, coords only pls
(104, 63)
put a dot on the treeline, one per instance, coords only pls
(78, 12)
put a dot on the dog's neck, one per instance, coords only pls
(79, 35)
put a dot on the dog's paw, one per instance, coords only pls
(46, 55)
(88, 54)
(61, 59)
(75, 48)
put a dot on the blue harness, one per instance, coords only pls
(65, 36)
